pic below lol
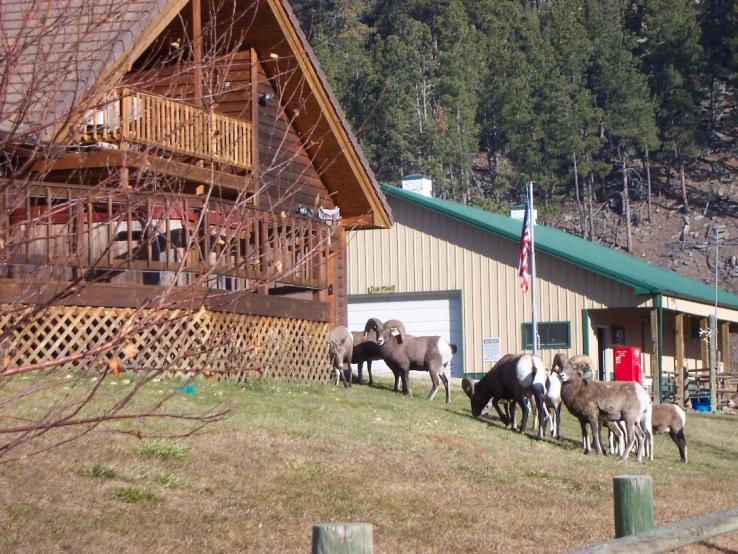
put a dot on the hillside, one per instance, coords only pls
(573, 95)
(675, 239)
(426, 475)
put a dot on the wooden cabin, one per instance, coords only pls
(177, 183)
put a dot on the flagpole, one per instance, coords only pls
(533, 269)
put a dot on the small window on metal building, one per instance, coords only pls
(556, 334)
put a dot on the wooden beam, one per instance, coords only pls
(679, 362)
(254, 67)
(668, 537)
(197, 50)
(146, 162)
(111, 295)
(656, 383)
(725, 345)
(703, 345)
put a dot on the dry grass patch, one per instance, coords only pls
(428, 476)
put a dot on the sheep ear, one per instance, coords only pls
(397, 334)
(468, 387)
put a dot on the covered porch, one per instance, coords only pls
(684, 348)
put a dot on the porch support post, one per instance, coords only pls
(655, 355)
(254, 67)
(713, 362)
(679, 362)
(725, 345)
(197, 50)
(703, 345)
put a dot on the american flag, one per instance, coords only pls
(524, 252)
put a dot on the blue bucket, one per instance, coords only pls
(700, 404)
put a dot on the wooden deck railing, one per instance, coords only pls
(151, 120)
(64, 233)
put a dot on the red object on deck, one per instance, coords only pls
(628, 363)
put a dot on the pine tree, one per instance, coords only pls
(673, 59)
(459, 81)
(622, 94)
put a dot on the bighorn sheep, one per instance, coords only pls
(670, 418)
(341, 344)
(366, 350)
(514, 376)
(403, 352)
(553, 393)
(592, 402)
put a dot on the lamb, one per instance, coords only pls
(403, 352)
(670, 418)
(365, 350)
(553, 394)
(341, 343)
(514, 376)
(592, 402)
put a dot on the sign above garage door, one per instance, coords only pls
(422, 315)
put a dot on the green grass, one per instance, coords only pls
(169, 480)
(98, 471)
(162, 450)
(132, 494)
(428, 476)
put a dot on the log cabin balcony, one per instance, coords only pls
(133, 117)
(65, 233)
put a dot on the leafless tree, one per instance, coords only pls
(67, 232)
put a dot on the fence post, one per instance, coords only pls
(633, 495)
(343, 538)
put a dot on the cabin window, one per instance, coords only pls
(556, 334)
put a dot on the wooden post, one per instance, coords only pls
(713, 362)
(655, 354)
(679, 362)
(197, 50)
(633, 496)
(703, 344)
(254, 66)
(725, 345)
(343, 538)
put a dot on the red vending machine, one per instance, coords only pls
(627, 363)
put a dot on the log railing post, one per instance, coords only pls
(343, 538)
(633, 496)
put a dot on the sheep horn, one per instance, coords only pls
(559, 362)
(372, 324)
(396, 326)
(579, 362)
(468, 387)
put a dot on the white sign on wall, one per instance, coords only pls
(491, 351)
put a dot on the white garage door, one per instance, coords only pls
(422, 315)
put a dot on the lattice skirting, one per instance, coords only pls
(171, 341)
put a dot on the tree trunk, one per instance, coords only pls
(590, 196)
(626, 206)
(684, 187)
(582, 228)
(647, 163)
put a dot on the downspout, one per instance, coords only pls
(658, 304)
(585, 332)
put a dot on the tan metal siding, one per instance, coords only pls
(425, 251)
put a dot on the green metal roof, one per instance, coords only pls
(643, 277)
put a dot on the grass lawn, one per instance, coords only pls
(428, 476)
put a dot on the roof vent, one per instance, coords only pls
(418, 183)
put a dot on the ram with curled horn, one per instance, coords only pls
(403, 352)
(594, 402)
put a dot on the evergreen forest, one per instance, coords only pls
(600, 103)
